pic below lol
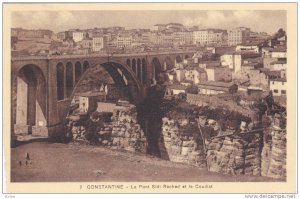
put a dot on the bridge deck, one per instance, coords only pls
(98, 55)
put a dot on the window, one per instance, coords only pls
(283, 92)
(275, 91)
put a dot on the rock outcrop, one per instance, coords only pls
(274, 150)
(181, 146)
(234, 154)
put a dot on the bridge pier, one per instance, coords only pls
(30, 102)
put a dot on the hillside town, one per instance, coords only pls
(224, 108)
(253, 61)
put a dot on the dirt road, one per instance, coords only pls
(56, 162)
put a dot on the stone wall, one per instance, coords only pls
(225, 151)
(122, 132)
(274, 150)
(234, 154)
(182, 147)
(195, 100)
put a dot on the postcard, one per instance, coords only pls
(149, 97)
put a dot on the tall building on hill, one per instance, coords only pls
(238, 35)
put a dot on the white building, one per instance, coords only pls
(278, 86)
(238, 36)
(195, 75)
(218, 74)
(233, 61)
(205, 37)
(278, 54)
(278, 65)
(215, 88)
(98, 43)
(77, 36)
(124, 41)
(180, 74)
(200, 37)
(175, 89)
(88, 100)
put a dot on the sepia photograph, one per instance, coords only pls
(137, 97)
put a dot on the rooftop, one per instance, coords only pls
(279, 49)
(91, 94)
(279, 80)
(217, 84)
(278, 62)
(244, 54)
(252, 64)
(176, 86)
(271, 73)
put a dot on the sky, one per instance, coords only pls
(258, 20)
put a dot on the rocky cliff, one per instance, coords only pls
(274, 150)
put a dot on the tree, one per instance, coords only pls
(192, 89)
(280, 33)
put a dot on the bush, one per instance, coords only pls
(192, 89)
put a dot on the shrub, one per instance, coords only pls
(192, 89)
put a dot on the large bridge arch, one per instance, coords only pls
(29, 108)
(115, 70)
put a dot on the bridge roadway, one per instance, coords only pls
(99, 55)
(43, 86)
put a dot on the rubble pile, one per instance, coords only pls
(181, 147)
(76, 124)
(274, 150)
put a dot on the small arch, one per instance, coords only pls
(178, 59)
(60, 81)
(128, 62)
(77, 71)
(144, 70)
(168, 64)
(139, 69)
(86, 65)
(134, 66)
(69, 79)
(156, 69)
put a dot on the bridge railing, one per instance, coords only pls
(34, 57)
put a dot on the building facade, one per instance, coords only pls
(98, 43)
(210, 37)
(78, 36)
(238, 36)
(278, 87)
(124, 41)
(233, 61)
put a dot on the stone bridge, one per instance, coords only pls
(43, 86)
